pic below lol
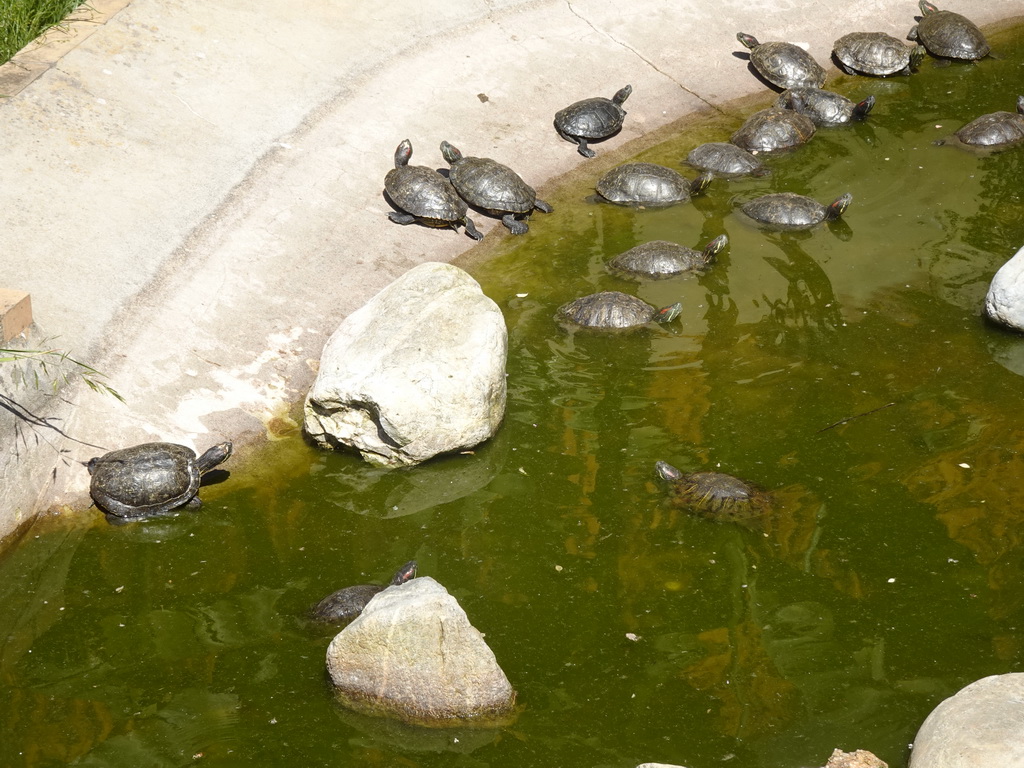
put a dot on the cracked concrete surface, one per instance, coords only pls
(192, 195)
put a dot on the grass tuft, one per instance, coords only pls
(22, 21)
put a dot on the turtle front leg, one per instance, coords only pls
(401, 218)
(515, 226)
(543, 207)
(471, 229)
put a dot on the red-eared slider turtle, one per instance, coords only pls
(948, 35)
(876, 54)
(612, 309)
(773, 129)
(996, 129)
(659, 259)
(648, 184)
(783, 64)
(151, 479)
(349, 602)
(785, 210)
(423, 195)
(714, 495)
(725, 159)
(496, 188)
(592, 119)
(824, 107)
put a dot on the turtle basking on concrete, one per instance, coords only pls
(349, 602)
(493, 187)
(613, 310)
(592, 119)
(948, 35)
(649, 185)
(659, 259)
(714, 495)
(786, 210)
(423, 195)
(876, 54)
(151, 479)
(783, 64)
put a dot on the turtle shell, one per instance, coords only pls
(714, 495)
(997, 129)
(773, 129)
(645, 184)
(786, 65)
(488, 184)
(608, 309)
(825, 108)
(786, 210)
(726, 159)
(349, 602)
(594, 118)
(659, 259)
(145, 480)
(872, 53)
(949, 34)
(425, 194)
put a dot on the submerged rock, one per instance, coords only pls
(419, 370)
(859, 759)
(980, 725)
(1004, 302)
(412, 654)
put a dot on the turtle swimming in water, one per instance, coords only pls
(786, 210)
(592, 119)
(151, 479)
(725, 159)
(349, 602)
(825, 108)
(659, 259)
(714, 495)
(614, 310)
(649, 185)
(773, 129)
(996, 130)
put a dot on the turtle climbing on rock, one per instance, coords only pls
(948, 35)
(786, 210)
(592, 119)
(784, 65)
(423, 195)
(347, 603)
(659, 259)
(151, 479)
(493, 187)
(714, 495)
(649, 185)
(614, 310)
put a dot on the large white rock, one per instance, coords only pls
(1004, 302)
(981, 726)
(417, 371)
(412, 654)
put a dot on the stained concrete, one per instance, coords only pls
(192, 192)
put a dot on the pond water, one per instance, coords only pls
(848, 370)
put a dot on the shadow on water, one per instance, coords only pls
(849, 372)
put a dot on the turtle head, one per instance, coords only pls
(927, 7)
(622, 94)
(91, 464)
(698, 185)
(214, 456)
(1020, 104)
(749, 41)
(667, 472)
(916, 56)
(403, 153)
(669, 313)
(405, 573)
(839, 206)
(861, 110)
(714, 248)
(451, 154)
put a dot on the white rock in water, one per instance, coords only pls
(1004, 302)
(419, 370)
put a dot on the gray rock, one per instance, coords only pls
(419, 370)
(412, 654)
(980, 726)
(1005, 300)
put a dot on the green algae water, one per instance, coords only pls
(847, 369)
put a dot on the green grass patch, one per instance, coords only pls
(22, 21)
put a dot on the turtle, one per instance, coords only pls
(660, 259)
(784, 65)
(349, 602)
(649, 184)
(592, 119)
(825, 108)
(948, 35)
(876, 54)
(725, 159)
(714, 495)
(996, 129)
(496, 188)
(773, 129)
(614, 310)
(786, 210)
(151, 479)
(423, 195)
